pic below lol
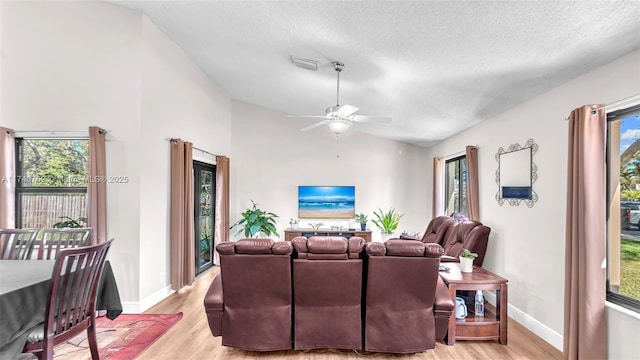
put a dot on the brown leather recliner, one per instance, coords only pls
(454, 237)
(327, 292)
(407, 304)
(249, 302)
(471, 235)
(437, 229)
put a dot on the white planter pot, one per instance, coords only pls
(384, 236)
(466, 264)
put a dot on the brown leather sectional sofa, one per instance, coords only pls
(329, 292)
(454, 237)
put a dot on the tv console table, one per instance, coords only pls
(291, 233)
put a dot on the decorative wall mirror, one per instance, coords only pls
(516, 174)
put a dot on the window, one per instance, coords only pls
(51, 181)
(204, 185)
(623, 233)
(456, 185)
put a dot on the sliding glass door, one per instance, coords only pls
(204, 200)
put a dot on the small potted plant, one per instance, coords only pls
(387, 222)
(362, 219)
(293, 223)
(466, 260)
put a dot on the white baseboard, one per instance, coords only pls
(138, 307)
(535, 326)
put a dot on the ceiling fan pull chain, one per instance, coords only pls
(337, 146)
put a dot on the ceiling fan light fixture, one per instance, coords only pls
(304, 63)
(339, 126)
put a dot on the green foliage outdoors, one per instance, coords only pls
(631, 195)
(255, 221)
(630, 268)
(387, 222)
(71, 223)
(629, 250)
(54, 163)
(630, 278)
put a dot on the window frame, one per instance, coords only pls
(457, 158)
(20, 190)
(613, 297)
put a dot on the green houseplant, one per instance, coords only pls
(362, 220)
(254, 221)
(466, 260)
(387, 222)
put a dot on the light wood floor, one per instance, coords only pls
(190, 338)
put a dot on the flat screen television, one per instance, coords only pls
(326, 202)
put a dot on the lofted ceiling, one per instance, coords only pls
(434, 67)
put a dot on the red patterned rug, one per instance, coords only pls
(121, 339)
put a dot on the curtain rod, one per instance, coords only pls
(195, 148)
(58, 132)
(459, 153)
(617, 105)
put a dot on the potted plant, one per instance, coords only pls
(466, 260)
(254, 221)
(387, 222)
(293, 223)
(362, 219)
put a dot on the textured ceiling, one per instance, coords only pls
(435, 67)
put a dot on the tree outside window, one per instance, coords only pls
(51, 181)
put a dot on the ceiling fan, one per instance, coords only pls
(339, 118)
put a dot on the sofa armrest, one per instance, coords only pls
(443, 301)
(447, 258)
(442, 309)
(214, 305)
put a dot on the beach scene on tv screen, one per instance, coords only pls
(326, 202)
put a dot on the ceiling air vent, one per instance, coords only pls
(304, 63)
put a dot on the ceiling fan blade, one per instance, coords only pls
(307, 116)
(368, 118)
(319, 123)
(347, 110)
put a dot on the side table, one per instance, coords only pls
(488, 327)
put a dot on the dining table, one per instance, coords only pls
(24, 288)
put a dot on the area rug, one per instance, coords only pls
(121, 339)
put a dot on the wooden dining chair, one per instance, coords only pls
(54, 239)
(71, 301)
(17, 244)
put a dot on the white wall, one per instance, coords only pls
(271, 157)
(526, 245)
(70, 65)
(178, 101)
